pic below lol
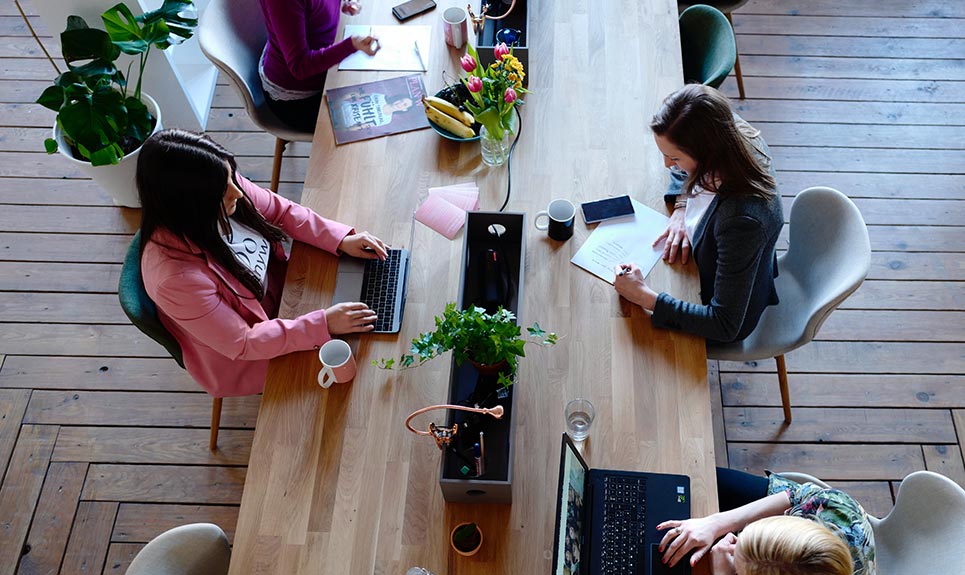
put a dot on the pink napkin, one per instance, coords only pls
(444, 210)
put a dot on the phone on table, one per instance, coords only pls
(412, 8)
(607, 208)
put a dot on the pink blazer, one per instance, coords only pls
(226, 337)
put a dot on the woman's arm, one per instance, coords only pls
(701, 533)
(740, 247)
(287, 19)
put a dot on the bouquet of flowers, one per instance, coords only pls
(494, 91)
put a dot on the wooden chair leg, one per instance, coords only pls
(785, 393)
(215, 423)
(280, 146)
(737, 63)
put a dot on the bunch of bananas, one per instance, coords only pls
(448, 117)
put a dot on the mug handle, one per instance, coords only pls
(326, 377)
(540, 215)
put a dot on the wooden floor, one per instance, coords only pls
(103, 438)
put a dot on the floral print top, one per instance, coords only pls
(837, 511)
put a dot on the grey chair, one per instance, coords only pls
(802, 478)
(142, 312)
(232, 35)
(727, 7)
(925, 532)
(827, 258)
(196, 549)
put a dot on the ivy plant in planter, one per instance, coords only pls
(99, 119)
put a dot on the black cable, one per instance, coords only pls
(509, 159)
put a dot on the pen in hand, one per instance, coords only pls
(624, 269)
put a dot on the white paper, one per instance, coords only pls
(622, 241)
(397, 48)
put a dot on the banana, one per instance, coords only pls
(448, 108)
(449, 123)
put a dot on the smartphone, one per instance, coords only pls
(412, 8)
(605, 209)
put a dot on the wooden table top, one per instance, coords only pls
(335, 483)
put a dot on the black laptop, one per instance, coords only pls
(606, 521)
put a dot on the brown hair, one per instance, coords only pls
(698, 119)
(786, 545)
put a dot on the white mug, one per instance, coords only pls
(338, 364)
(454, 24)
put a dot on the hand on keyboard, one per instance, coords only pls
(349, 317)
(364, 245)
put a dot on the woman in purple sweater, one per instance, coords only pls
(300, 49)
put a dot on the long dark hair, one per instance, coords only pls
(698, 120)
(181, 181)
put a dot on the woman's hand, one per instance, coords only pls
(629, 284)
(349, 317)
(368, 44)
(676, 236)
(683, 536)
(351, 7)
(364, 245)
(722, 556)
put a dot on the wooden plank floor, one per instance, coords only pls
(103, 437)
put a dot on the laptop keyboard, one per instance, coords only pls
(380, 283)
(624, 527)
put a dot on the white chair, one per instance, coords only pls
(827, 258)
(925, 532)
(196, 549)
(232, 35)
(803, 478)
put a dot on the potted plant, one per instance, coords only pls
(466, 539)
(492, 342)
(494, 92)
(99, 123)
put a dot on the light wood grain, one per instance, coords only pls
(333, 475)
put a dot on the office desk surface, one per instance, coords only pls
(335, 483)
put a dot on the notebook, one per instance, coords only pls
(379, 284)
(606, 520)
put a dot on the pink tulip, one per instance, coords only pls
(474, 83)
(509, 96)
(500, 51)
(468, 63)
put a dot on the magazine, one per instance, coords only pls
(377, 108)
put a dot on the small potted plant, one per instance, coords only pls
(492, 342)
(99, 123)
(466, 539)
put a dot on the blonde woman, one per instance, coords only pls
(828, 521)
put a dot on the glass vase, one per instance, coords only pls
(495, 152)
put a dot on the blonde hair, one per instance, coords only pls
(787, 545)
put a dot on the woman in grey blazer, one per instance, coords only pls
(727, 215)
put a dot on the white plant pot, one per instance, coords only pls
(117, 180)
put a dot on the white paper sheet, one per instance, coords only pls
(623, 240)
(398, 48)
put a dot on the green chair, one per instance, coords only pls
(727, 7)
(142, 312)
(707, 45)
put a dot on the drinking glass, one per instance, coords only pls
(579, 415)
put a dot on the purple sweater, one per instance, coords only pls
(300, 42)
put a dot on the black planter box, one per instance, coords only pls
(517, 19)
(466, 386)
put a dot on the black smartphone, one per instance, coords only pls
(600, 210)
(412, 8)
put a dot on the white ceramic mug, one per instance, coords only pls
(338, 364)
(454, 24)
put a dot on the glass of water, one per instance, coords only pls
(579, 415)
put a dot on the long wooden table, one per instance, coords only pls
(335, 483)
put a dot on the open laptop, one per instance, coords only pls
(606, 521)
(381, 285)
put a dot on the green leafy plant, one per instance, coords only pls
(97, 116)
(466, 537)
(473, 334)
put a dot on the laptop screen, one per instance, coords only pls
(572, 481)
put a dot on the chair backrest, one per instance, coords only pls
(828, 256)
(707, 45)
(803, 478)
(138, 306)
(925, 532)
(232, 35)
(196, 549)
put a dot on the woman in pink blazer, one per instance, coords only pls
(212, 261)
